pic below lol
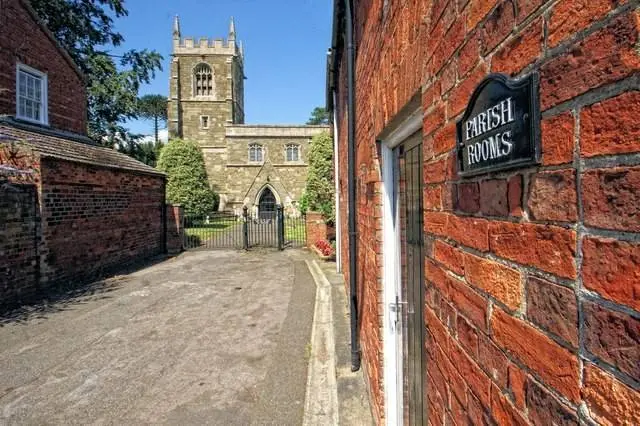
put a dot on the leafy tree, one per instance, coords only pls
(187, 183)
(319, 191)
(144, 151)
(85, 28)
(319, 115)
(153, 107)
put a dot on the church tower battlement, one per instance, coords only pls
(206, 89)
(205, 45)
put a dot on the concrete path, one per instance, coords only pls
(209, 337)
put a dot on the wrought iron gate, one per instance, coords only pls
(268, 227)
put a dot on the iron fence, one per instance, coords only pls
(214, 230)
(295, 231)
(229, 230)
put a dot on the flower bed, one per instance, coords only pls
(324, 250)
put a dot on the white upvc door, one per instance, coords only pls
(393, 343)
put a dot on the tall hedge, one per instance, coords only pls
(187, 183)
(319, 191)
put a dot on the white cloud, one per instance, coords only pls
(163, 135)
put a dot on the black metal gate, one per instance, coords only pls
(214, 230)
(268, 227)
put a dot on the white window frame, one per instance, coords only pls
(202, 126)
(44, 107)
(286, 152)
(256, 145)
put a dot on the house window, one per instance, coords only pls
(255, 153)
(31, 94)
(293, 153)
(204, 121)
(203, 80)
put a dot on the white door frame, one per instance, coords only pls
(391, 278)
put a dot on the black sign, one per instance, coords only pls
(500, 128)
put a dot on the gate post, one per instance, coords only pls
(245, 228)
(280, 217)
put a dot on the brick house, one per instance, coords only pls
(511, 296)
(68, 207)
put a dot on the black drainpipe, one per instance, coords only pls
(351, 168)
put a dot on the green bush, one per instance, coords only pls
(304, 203)
(319, 191)
(187, 183)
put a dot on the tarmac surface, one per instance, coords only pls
(208, 337)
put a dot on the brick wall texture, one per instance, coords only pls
(24, 41)
(18, 251)
(175, 228)
(532, 310)
(66, 222)
(316, 229)
(94, 219)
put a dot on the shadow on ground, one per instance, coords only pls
(63, 296)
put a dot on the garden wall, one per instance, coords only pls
(97, 218)
(18, 242)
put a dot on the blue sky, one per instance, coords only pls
(285, 45)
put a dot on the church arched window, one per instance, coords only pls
(292, 152)
(202, 80)
(255, 153)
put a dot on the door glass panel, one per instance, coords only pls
(409, 162)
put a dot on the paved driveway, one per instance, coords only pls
(209, 337)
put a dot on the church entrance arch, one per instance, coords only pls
(267, 204)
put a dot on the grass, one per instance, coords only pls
(307, 351)
(205, 230)
(294, 232)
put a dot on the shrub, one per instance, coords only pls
(187, 183)
(304, 203)
(325, 247)
(320, 190)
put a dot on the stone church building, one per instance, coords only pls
(247, 164)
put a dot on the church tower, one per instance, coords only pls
(206, 92)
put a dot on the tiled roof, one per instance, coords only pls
(69, 146)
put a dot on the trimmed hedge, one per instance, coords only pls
(187, 182)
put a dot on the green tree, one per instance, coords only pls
(153, 107)
(85, 28)
(144, 151)
(319, 115)
(319, 191)
(187, 183)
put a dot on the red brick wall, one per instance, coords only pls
(19, 219)
(175, 228)
(531, 275)
(95, 219)
(316, 228)
(18, 253)
(22, 40)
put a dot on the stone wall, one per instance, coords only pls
(532, 311)
(24, 41)
(244, 180)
